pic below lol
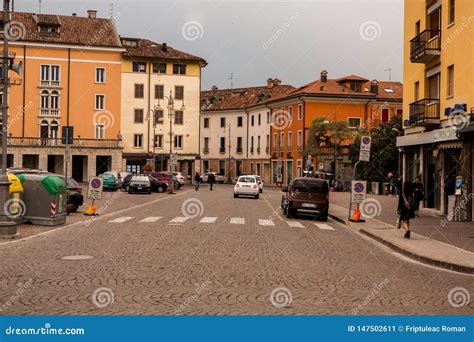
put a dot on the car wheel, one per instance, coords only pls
(129, 191)
(236, 196)
(160, 189)
(323, 216)
(261, 190)
(291, 213)
(257, 196)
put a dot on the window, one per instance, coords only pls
(258, 141)
(300, 112)
(268, 117)
(139, 67)
(222, 145)
(268, 141)
(99, 75)
(252, 120)
(55, 73)
(222, 122)
(54, 99)
(290, 112)
(44, 99)
(206, 143)
(138, 116)
(385, 115)
(54, 128)
(99, 131)
(158, 117)
(274, 140)
(179, 69)
(49, 73)
(451, 12)
(178, 117)
(259, 119)
(282, 140)
(300, 139)
(356, 87)
(417, 91)
(206, 122)
(159, 68)
(290, 137)
(451, 80)
(240, 121)
(138, 140)
(353, 122)
(179, 92)
(139, 91)
(251, 144)
(99, 102)
(159, 91)
(158, 140)
(239, 144)
(178, 141)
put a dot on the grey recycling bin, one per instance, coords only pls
(44, 199)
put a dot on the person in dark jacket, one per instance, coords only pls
(212, 179)
(197, 181)
(406, 207)
(418, 193)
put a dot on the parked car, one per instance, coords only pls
(218, 176)
(260, 183)
(110, 182)
(118, 176)
(156, 185)
(246, 185)
(126, 181)
(140, 183)
(306, 195)
(74, 195)
(180, 178)
(165, 177)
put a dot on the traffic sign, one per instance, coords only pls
(365, 144)
(358, 191)
(364, 156)
(174, 159)
(96, 185)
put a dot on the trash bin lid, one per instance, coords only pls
(54, 185)
(15, 183)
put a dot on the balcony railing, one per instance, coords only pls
(258, 150)
(238, 150)
(50, 83)
(267, 150)
(221, 149)
(425, 47)
(49, 112)
(205, 150)
(425, 112)
(78, 143)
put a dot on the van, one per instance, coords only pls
(306, 196)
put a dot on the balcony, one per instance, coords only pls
(205, 150)
(50, 84)
(238, 150)
(426, 47)
(51, 142)
(425, 112)
(49, 112)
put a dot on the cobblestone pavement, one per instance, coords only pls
(234, 257)
(459, 234)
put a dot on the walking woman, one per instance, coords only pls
(197, 181)
(406, 207)
(418, 193)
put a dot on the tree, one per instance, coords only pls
(383, 154)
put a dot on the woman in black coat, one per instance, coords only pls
(406, 207)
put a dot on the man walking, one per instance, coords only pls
(197, 181)
(211, 179)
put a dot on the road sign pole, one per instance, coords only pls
(354, 173)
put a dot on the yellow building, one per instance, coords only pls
(71, 77)
(439, 100)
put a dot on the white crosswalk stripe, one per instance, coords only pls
(294, 224)
(237, 220)
(266, 222)
(151, 219)
(323, 226)
(121, 219)
(180, 219)
(208, 219)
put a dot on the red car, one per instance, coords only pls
(165, 177)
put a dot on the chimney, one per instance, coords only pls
(270, 83)
(374, 87)
(74, 14)
(92, 14)
(164, 47)
(276, 82)
(324, 76)
(214, 88)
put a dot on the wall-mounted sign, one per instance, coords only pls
(459, 108)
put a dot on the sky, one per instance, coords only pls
(256, 40)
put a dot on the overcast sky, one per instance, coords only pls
(255, 40)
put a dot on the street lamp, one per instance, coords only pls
(399, 133)
(155, 118)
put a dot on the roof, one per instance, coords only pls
(335, 88)
(241, 98)
(73, 30)
(149, 49)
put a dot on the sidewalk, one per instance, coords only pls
(432, 242)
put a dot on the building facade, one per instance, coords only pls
(439, 102)
(352, 99)
(235, 129)
(160, 106)
(71, 73)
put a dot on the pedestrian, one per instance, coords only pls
(390, 182)
(211, 178)
(197, 181)
(405, 207)
(418, 193)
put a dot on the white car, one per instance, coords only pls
(246, 186)
(260, 183)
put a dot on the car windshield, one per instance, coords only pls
(246, 180)
(140, 179)
(107, 176)
(310, 186)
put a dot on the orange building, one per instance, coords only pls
(71, 77)
(354, 99)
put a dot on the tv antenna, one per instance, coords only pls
(231, 78)
(39, 6)
(111, 10)
(389, 74)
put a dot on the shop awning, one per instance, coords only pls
(449, 145)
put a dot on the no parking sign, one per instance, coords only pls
(94, 190)
(359, 191)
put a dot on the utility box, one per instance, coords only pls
(44, 198)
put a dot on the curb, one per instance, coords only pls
(416, 257)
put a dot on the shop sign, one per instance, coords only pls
(444, 134)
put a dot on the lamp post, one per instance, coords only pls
(154, 117)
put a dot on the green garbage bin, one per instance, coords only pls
(44, 198)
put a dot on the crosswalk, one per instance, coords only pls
(208, 220)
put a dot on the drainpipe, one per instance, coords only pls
(270, 144)
(68, 85)
(24, 93)
(148, 110)
(304, 128)
(248, 115)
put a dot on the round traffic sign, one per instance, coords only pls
(95, 183)
(359, 187)
(366, 140)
